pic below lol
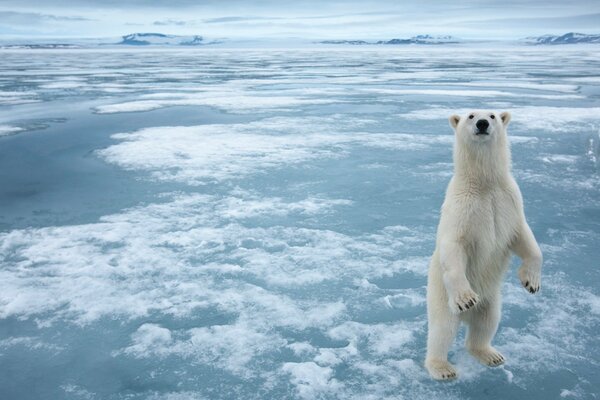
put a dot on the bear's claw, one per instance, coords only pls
(464, 301)
(490, 357)
(498, 361)
(441, 370)
(530, 279)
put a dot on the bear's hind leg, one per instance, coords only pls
(483, 323)
(442, 329)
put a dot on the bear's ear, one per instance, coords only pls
(454, 120)
(505, 117)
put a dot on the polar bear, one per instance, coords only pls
(482, 221)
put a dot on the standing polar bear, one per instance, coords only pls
(482, 221)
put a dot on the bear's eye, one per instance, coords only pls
(492, 116)
(471, 116)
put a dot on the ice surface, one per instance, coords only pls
(262, 229)
(226, 101)
(9, 130)
(544, 118)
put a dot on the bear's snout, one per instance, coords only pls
(482, 126)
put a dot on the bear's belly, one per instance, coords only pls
(488, 229)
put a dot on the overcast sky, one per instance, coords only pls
(338, 19)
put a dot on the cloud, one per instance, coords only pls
(120, 4)
(236, 19)
(573, 22)
(342, 19)
(167, 22)
(23, 18)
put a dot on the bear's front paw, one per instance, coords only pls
(463, 301)
(530, 278)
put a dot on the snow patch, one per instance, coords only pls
(543, 118)
(311, 380)
(6, 130)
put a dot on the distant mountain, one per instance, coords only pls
(355, 42)
(159, 39)
(419, 39)
(567, 38)
(40, 46)
(422, 39)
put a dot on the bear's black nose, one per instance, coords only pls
(482, 124)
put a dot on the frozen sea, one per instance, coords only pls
(257, 224)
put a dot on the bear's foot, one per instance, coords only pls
(463, 301)
(530, 278)
(489, 356)
(441, 370)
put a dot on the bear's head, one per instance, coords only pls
(481, 126)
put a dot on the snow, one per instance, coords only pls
(530, 117)
(227, 101)
(470, 93)
(17, 97)
(311, 380)
(145, 39)
(263, 228)
(9, 130)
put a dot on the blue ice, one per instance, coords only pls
(216, 224)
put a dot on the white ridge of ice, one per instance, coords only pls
(544, 118)
(469, 93)
(6, 130)
(200, 154)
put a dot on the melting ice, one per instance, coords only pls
(215, 224)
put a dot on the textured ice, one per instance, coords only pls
(539, 86)
(9, 130)
(215, 152)
(543, 118)
(227, 99)
(263, 229)
(17, 97)
(472, 93)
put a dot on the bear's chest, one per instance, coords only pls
(488, 221)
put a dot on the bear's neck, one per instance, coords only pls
(483, 165)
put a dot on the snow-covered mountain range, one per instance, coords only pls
(419, 39)
(422, 39)
(160, 39)
(567, 38)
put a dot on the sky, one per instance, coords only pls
(312, 19)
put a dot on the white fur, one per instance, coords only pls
(482, 221)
